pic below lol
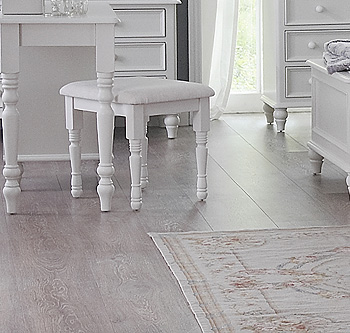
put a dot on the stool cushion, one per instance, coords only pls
(140, 90)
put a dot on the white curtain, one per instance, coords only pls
(219, 33)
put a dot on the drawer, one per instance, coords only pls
(303, 45)
(140, 23)
(298, 82)
(303, 12)
(140, 57)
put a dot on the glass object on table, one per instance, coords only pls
(69, 7)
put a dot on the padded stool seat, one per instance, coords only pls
(136, 99)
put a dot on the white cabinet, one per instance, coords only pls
(145, 44)
(145, 39)
(330, 130)
(293, 32)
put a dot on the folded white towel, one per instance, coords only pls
(337, 55)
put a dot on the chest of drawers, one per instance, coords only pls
(293, 32)
(145, 40)
(145, 45)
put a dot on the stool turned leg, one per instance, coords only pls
(316, 161)
(144, 153)
(135, 173)
(172, 122)
(202, 156)
(75, 161)
(105, 127)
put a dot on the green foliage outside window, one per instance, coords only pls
(244, 75)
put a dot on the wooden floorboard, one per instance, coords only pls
(65, 266)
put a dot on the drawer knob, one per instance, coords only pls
(311, 45)
(319, 9)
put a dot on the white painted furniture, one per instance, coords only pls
(96, 29)
(136, 99)
(145, 44)
(294, 31)
(330, 136)
(147, 29)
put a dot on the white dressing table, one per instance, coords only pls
(96, 29)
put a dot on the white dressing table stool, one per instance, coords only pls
(330, 136)
(136, 99)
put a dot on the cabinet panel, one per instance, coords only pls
(302, 12)
(140, 23)
(308, 44)
(140, 57)
(298, 82)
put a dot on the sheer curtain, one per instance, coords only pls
(219, 34)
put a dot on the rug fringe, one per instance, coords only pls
(183, 283)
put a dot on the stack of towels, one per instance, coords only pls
(337, 55)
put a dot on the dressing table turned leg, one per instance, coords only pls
(105, 127)
(280, 115)
(10, 116)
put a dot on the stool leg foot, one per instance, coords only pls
(135, 173)
(75, 161)
(202, 157)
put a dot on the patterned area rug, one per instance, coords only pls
(264, 281)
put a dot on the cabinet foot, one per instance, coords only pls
(280, 115)
(172, 124)
(268, 111)
(316, 161)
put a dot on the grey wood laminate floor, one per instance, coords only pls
(66, 267)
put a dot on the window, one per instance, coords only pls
(246, 87)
